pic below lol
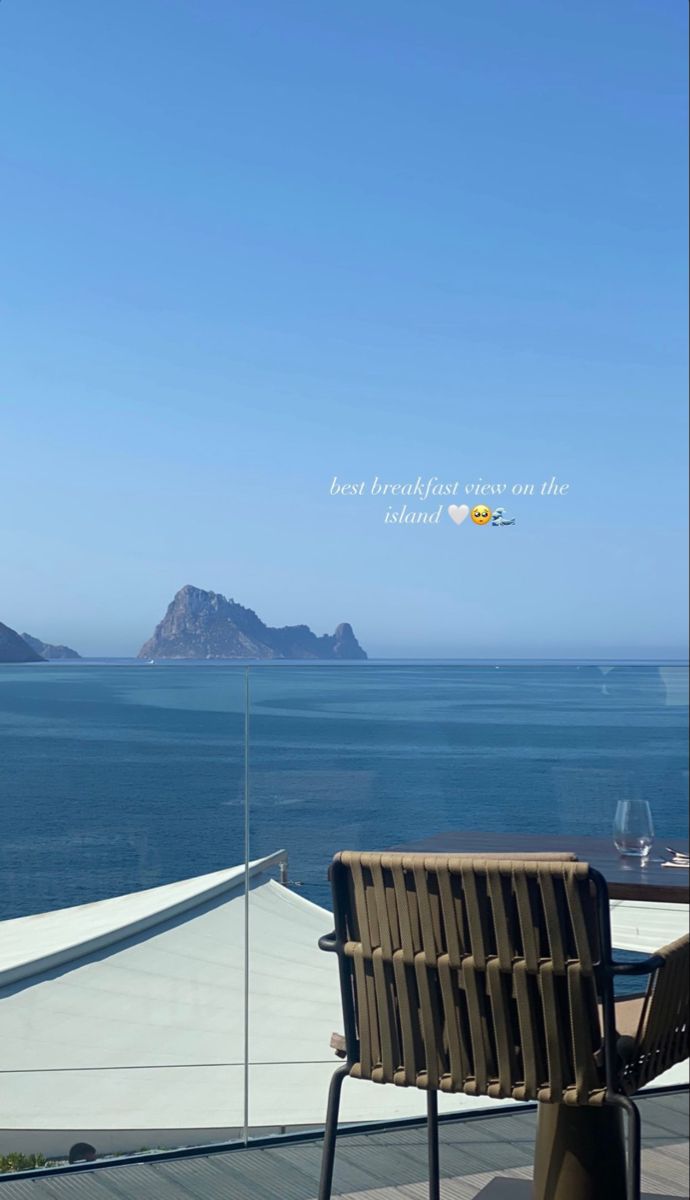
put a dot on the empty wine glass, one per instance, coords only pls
(633, 828)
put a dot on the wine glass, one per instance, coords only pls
(633, 829)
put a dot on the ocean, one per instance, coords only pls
(120, 777)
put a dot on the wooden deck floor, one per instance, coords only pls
(389, 1164)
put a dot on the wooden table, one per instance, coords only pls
(594, 1137)
(627, 878)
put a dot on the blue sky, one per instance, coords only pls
(251, 247)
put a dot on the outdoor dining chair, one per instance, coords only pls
(495, 977)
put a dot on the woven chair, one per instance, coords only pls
(495, 977)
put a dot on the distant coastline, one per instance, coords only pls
(115, 660)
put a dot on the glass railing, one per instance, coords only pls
(163, 1013)
(373, 755)
(118, 783)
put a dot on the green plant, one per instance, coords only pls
(20, 1162)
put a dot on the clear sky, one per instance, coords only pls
(251, 246)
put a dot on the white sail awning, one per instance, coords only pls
(123, 1022)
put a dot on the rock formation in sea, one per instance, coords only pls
(201, 624)
(13, 648)
(48, 650)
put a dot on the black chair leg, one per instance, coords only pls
(634, 1151)
(633, 1183)
(330, 1133)
(432, 1134)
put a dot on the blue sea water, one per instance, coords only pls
(118, 777)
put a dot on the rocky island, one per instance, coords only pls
(48, 650)
(201, 624)
(13, 648)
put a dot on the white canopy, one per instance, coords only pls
(646, 927)
(122, 1022)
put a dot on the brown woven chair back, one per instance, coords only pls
(473, 975)
(662, 1039)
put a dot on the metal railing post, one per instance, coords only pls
(245, 1135)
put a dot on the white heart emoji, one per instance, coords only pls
(458, 512)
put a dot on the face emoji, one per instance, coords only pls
(481, 515)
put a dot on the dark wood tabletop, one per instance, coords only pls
(627, 878)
